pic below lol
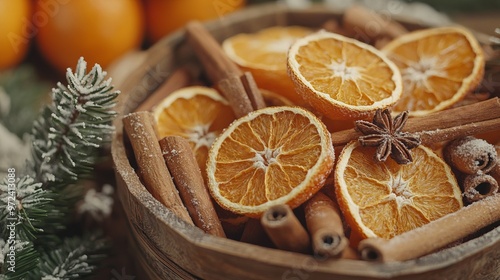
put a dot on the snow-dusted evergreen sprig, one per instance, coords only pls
(70, 131)
(76, 258)
(26, 259)
(66, 139)
(27, 205)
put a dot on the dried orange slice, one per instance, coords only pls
(196, 113)
(439, 67)
(384, 199)
(275, 155)
(343, 78)
(264, 55)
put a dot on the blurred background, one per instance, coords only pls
(40, 39)
(54, 33)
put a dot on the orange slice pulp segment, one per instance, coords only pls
(384, 199)
(196, 113)
(343, 78)
(439, 67)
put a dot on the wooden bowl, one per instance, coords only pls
(167, 248)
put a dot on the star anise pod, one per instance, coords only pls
(386, 134)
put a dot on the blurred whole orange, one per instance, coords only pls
(99, 30)
(165, 16)
(14, 35)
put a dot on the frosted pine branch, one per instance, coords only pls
(66, 139)
(32, 208)
(70, 131)
(26, 259)
(77, 257)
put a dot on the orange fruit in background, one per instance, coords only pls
(196, 113)
(274, 155)
(439, 67)
(166, 16)
(14, 35)
(264, 54)
(384, 199)
(100, 31)
(343, 78)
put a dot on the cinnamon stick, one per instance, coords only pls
(180, 78)
(470, 155)
(443, 125)
(367, 25)
(434, 235)
(325, 226)
(253, 91)
(234, 92)
(239, 88)
(284, 229)
(445, 134)
(140, 129)
(478, 186)
(216, 63)
(181, 163)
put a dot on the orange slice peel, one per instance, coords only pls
(439, 66)
(343, 78)
(385, 199)
(196, 113)
(275, 155)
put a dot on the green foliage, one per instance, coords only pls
(66, 138)
(27, 261)
(27, 93)
(75, 258)
(32, 208)
(69, 132)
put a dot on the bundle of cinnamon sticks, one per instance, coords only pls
(168, 168)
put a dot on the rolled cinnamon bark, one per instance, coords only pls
(253, 91)
(478, 186)
(181, 163)
(470, 155)
(285, 230)
(234, 91)
(325, 226)
(479, 117)
(179, 78)
(434, 235)
(239, 88)
(140, 129)
(367, 25)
